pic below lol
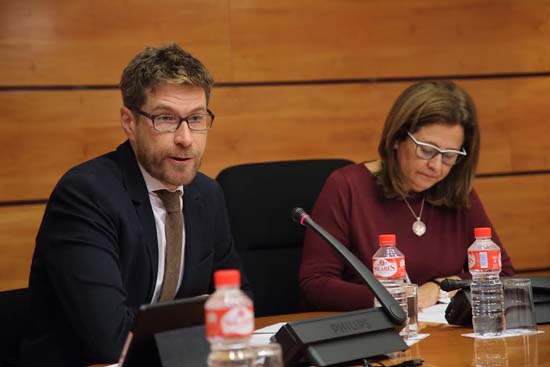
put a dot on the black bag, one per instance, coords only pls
(459, 311)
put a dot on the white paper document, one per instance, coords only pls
(271, 329)
(411, 341)
(435, 313)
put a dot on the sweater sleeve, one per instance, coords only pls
(321, 272)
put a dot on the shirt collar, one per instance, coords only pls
(152, 183)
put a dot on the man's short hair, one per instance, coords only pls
(154, 66)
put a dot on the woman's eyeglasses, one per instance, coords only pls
(428, 151)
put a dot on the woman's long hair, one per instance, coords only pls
(422, 104)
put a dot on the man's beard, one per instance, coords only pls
(157, 166)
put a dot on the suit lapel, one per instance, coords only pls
(140, 198)
(194, 212)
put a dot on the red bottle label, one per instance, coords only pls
(481, 260)
(232, 322)
(389, 267)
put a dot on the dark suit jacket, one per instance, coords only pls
(96, 257)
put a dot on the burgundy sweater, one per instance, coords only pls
(352, 209)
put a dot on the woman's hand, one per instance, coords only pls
(428, 294)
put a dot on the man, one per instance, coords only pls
(105, 245)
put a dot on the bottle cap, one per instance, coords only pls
(227, 277)
(482, 232)
(386, 239)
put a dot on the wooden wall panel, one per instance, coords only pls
(42, 134)
(294, 40)
(89, 41)
(18, 227)
(52, 42)
(519, 215)
(519, 209)
(345, 120)
(45, 133)
(513, 123)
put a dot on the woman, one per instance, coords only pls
(420, 189)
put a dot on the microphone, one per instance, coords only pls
(448, 285)
(389, 304)
(345, 337)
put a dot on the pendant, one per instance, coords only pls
(419, 228)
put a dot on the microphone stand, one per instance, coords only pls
(389, 304)
(345, 337)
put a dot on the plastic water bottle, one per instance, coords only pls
(388, 266)
(229, 316)
(486, 289)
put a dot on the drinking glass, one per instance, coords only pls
(411, 291)
(519, 309)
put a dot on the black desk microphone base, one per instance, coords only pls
(339, 339)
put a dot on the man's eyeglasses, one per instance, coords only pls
(169, 123)
(428, 151)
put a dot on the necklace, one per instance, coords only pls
(418, 227)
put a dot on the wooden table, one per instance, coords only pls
(446, 347)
